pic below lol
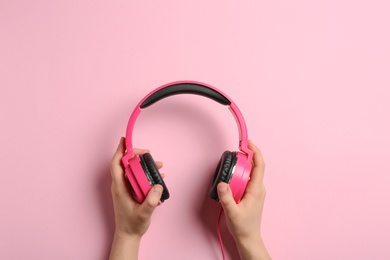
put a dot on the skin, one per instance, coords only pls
(244, 219)
(132, 219)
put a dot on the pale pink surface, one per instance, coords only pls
(310, 77)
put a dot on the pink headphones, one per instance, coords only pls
(233, 168)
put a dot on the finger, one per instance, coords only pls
(117, 172)
(226, 198)
(162, 175)
(139, 151)
(257, 156)
(120, 150)
(257, 174)
(151, 200)
(116, 166)
(159, 164)
(258, 164)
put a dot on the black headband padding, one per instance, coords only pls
(185, 88)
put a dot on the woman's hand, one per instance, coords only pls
(244, 219)
(132, 219)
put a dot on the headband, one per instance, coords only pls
(188, 87)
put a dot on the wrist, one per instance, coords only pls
(125, 246)
(248, 241)
(127, 238)
(252, 248)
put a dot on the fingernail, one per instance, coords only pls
(157, 189)
(222, 188)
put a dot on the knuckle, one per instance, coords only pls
(259, 193)
(225, 203)
(263, 191)
(262, 164)
(142, 217)
(232, 215)
(114, 191)
(151, 204)
(112, 169)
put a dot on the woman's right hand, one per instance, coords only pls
(244, 219)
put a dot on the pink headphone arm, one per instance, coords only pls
(243, 165)
(243, 132)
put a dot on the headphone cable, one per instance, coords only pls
(219, 232)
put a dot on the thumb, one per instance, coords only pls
(152, 199)
(226, 198)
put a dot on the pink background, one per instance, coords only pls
(311, 78)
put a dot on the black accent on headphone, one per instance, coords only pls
(151, 171)
(185, 88)
(223, 172)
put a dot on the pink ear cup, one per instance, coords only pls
(240, 177)
(141, 185)
(142, 177)
(137, 178)
(233, 168)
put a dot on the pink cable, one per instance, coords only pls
(219, 233)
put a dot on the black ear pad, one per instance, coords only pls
(223, 173)
(153, 175)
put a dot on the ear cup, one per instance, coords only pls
(223, 173)
(153, 175)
